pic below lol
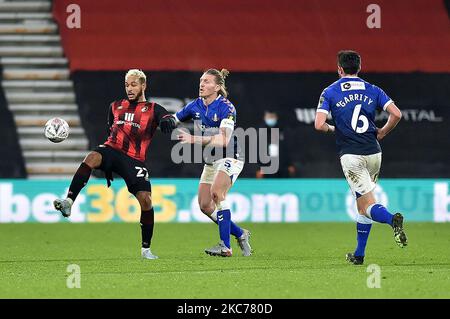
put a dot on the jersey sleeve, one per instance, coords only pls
(324, 103)
(185, 114)
(159, 112)
(383, 99)
(110, 118)
(227, 114)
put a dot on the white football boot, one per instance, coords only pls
(219, 250)
(64, 206)
(244, 243)
(146, 253)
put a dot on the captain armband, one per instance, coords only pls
(227, 123)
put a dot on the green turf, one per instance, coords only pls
(304, 260)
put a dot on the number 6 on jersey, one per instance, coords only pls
(356, 117)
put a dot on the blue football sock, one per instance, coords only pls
(235, 230)
(224, 221)
(380, 214)
(362, 234)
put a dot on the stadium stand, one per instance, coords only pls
(296, 36)
(36, 80)
(259, 44)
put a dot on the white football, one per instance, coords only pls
(56, 130)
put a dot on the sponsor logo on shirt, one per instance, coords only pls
(353, 85)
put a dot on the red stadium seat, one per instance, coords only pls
(254, 35)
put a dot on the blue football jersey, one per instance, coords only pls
(353, 103)
(210, 118)
(211, 115)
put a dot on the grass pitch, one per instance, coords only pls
(304, 260)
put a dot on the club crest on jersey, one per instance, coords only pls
(120, 107)
(144, 109)
(215, 117)
(197, 115)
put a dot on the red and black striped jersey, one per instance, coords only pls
(132, 126)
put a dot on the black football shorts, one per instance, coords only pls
(134, 172)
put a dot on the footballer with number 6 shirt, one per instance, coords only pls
(132, 123)
(353, 103)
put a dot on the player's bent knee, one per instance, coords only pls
(363, 208)
(206, 208)
(93, 159)
(145, 200)
(360, 209)
(217, 197)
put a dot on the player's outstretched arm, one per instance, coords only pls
(395, 115)
(219, 140)
(321, 125)
(165, 120)
(167, 124)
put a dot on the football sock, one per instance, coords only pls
(235, 230)
(379, 213)
(147, 222)
(79, 180)
(363, 226)
(224, 221)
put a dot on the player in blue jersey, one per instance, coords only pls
(353, 103)
(217, 118)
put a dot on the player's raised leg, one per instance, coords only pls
(79, 180)
(147, 222)
(367, 205)
(379, 213)
(361, 172)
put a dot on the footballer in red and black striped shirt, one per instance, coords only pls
(132, 123)
(132, 126)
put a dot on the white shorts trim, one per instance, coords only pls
(230, 166)
(361, 172)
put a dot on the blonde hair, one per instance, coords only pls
(220, 77)
(138, 73)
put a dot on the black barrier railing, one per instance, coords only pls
(11, 161)
(418, 147)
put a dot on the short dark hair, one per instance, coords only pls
(350, 61)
